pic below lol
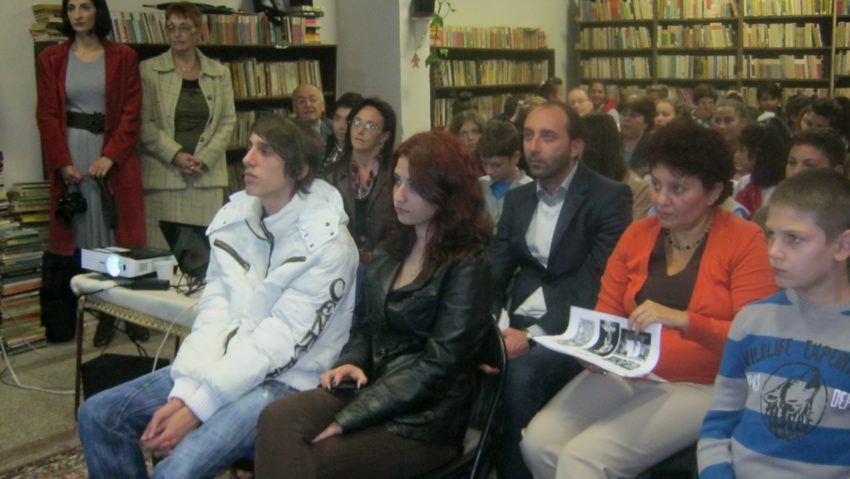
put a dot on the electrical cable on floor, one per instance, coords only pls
(18, 383)
(167, 333)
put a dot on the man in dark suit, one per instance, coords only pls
(309, 105)
(555, 234)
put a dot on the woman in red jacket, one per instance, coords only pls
(89, 101)
(691, 268)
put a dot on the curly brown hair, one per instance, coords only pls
(691, 149)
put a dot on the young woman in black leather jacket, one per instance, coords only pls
(398, 400)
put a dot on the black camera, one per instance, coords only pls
(70, 204)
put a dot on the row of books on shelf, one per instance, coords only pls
(604, 10)
(759, 8)
(488, 37)
(489, 105)
(712, 35)
(459, 73)
(614, 38)
(244, 120)
(780, 35)
(252, 78)
(807, 67)
(841, 36)
(711, 67)
(616, 68)
(149, 28)
(719, 67)
(601, 10)
(842, 63)
(688, 9)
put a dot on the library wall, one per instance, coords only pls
(19, 139)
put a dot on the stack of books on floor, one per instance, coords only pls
(20, 280)
(29, 205)
(301, 25)
(48, 22)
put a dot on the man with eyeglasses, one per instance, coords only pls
(309, 105)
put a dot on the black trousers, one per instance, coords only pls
(284, 449)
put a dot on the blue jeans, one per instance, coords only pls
(111, 422)
(530, 383)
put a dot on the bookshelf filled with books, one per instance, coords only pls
(489, 63)
(266, 61)
(731, 44)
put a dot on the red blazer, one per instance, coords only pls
(123, 119)
(734, 271)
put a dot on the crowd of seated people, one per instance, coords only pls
(352, 281)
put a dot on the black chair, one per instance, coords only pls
(682, 465)
(476, 460)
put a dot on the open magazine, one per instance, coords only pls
(604, 340)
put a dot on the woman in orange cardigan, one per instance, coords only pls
(691, 267)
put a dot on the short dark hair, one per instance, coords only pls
(704, 90)
(833, 110)
(796, 104)
(299, 146)
(499, 138)
(691, 149)
(771, 89)
(768, 143)
(603, 148)
(822, 192)
(388, 114)
(467, 115)
(443, 173)
(511, 102)
(102, 20)
(550, 87)
(640, 104)
(185, 9)
(575, 128)
(826, 140)
(349, 100)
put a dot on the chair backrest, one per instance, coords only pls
(483, 430)
(489, 397)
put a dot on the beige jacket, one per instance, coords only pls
(161, 84)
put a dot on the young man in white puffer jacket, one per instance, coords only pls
(275, 313)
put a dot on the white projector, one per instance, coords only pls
(127, 263)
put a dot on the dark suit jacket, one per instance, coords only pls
(595, 213)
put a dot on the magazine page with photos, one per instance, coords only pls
(605, 340)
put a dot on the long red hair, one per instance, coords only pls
(443, 173)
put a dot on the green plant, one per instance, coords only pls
(442, 10)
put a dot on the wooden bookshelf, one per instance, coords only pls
(802, 44)
(490, 74)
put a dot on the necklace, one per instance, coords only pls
(686, 247)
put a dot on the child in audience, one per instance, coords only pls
(761, 157)
(816, 148)
(781, 399)
(499, 149)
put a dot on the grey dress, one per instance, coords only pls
(85, 91)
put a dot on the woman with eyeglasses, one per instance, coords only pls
(362, 175)
(188, 117)
(89, 97)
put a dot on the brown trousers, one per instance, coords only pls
(287, 426)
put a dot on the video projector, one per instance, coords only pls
(123, 262)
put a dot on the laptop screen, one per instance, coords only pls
(189, 245)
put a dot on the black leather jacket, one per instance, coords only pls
(418, 346)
